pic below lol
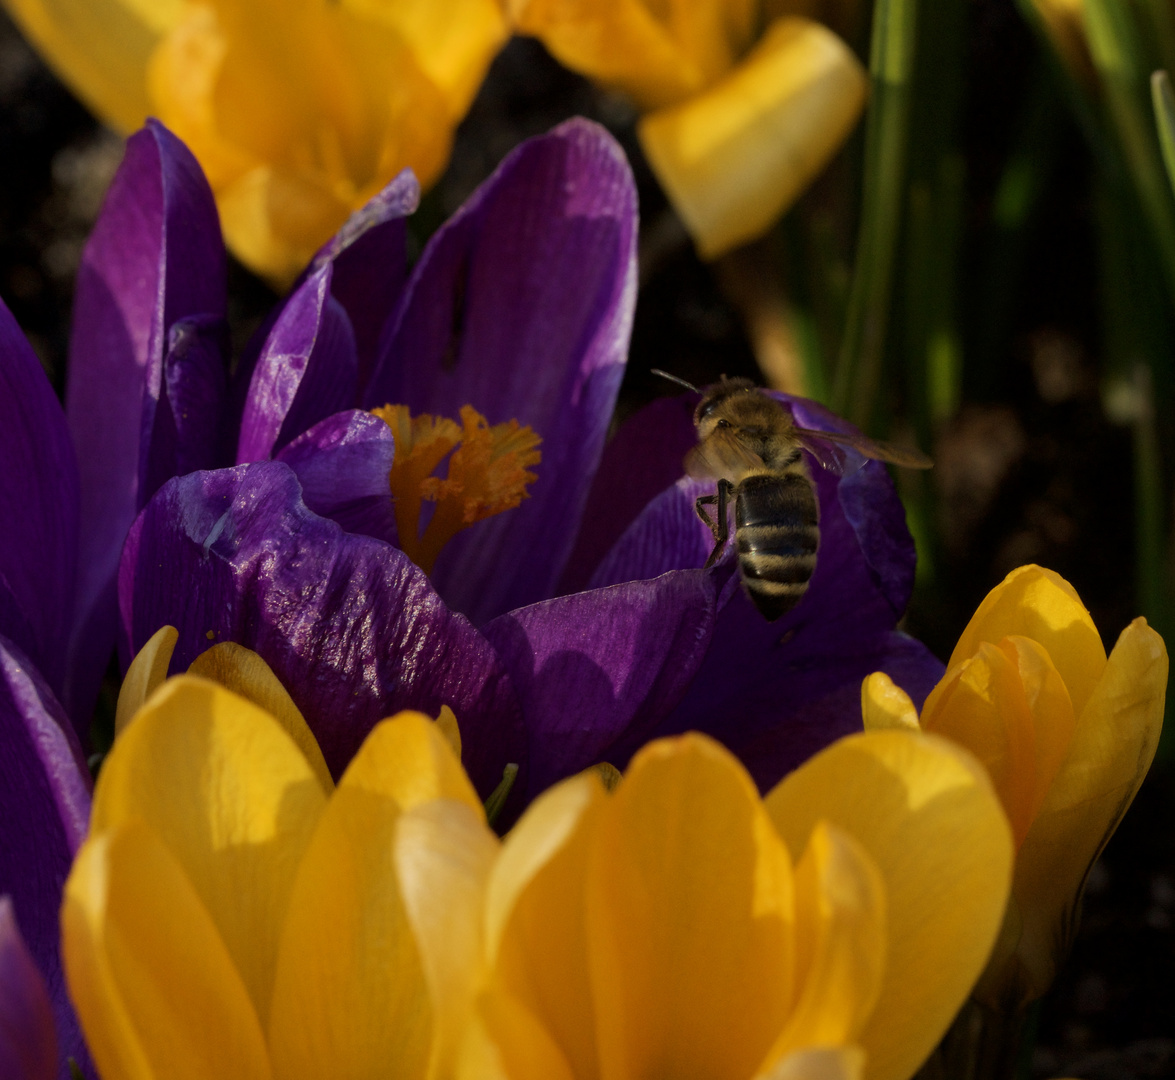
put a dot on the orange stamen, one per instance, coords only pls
(488, 473)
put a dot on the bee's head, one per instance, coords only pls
(719, 400)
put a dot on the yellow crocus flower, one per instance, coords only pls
(1067, 736)
(680, 926)
(298, 111)
(228, 915)
(232, 914)
(743, 105)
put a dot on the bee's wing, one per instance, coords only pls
(721, 456)
(842, 453)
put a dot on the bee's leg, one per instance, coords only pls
(706, 500)
(719, 526)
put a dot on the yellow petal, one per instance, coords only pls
(884, 704)
(409, 760)
(181, 83)
(453, 42)
(1036, 603)
(100, 48)
(1112, 748)
(444, 853)
(145, 675)
(520, 1048)
(351, 995)
(447, 725)
(274, 219)
(154, 987)
(689, 915)
(1008, 706)
(539, 1006)
(243, 672)
(926, 814)
(840, 943)
(231, 797)
(732, 159)
(825, 1063)
(656, 52)
(299, 111)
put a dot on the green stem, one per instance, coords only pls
(1162, 25)
(858, 374)
(1118, 53)
(1164, 103)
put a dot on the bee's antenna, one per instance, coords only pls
(674, 378)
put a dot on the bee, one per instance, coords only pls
(750, 444)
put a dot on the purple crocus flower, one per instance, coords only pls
(44, 783)
(773, 692)
(559, 637)
(148, 314)
(28, 1041)
(149, 397)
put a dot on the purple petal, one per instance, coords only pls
(639, 462)
(872, 508)
(667, 535)
(878, 521)
(306, 370)
(189, 413)
(370, 263)
(595, 666)
(343, 464)
(521, 306)
(38, 505)
(45, 807)
(812, 707)
(154, 257)
(28, 1042)
(799, 678)
(349, 624)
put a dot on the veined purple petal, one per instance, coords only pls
(306, 370)
(872, 508)
(155, 257)
(38, 505)
(28, 1041)
(639, 462)
(521, 306)
(839, 632)
(878, 520)
(370, 263)
(343, 464)
(666, 535)
(596, 666)
(190, 410)
(349, 624)
(45, 807)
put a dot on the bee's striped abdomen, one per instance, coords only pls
(776, 520)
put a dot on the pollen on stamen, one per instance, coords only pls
(488, 472)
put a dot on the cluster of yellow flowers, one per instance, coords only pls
(234, 913)
(300, 111)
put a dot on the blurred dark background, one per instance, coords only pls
(1029, 468)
